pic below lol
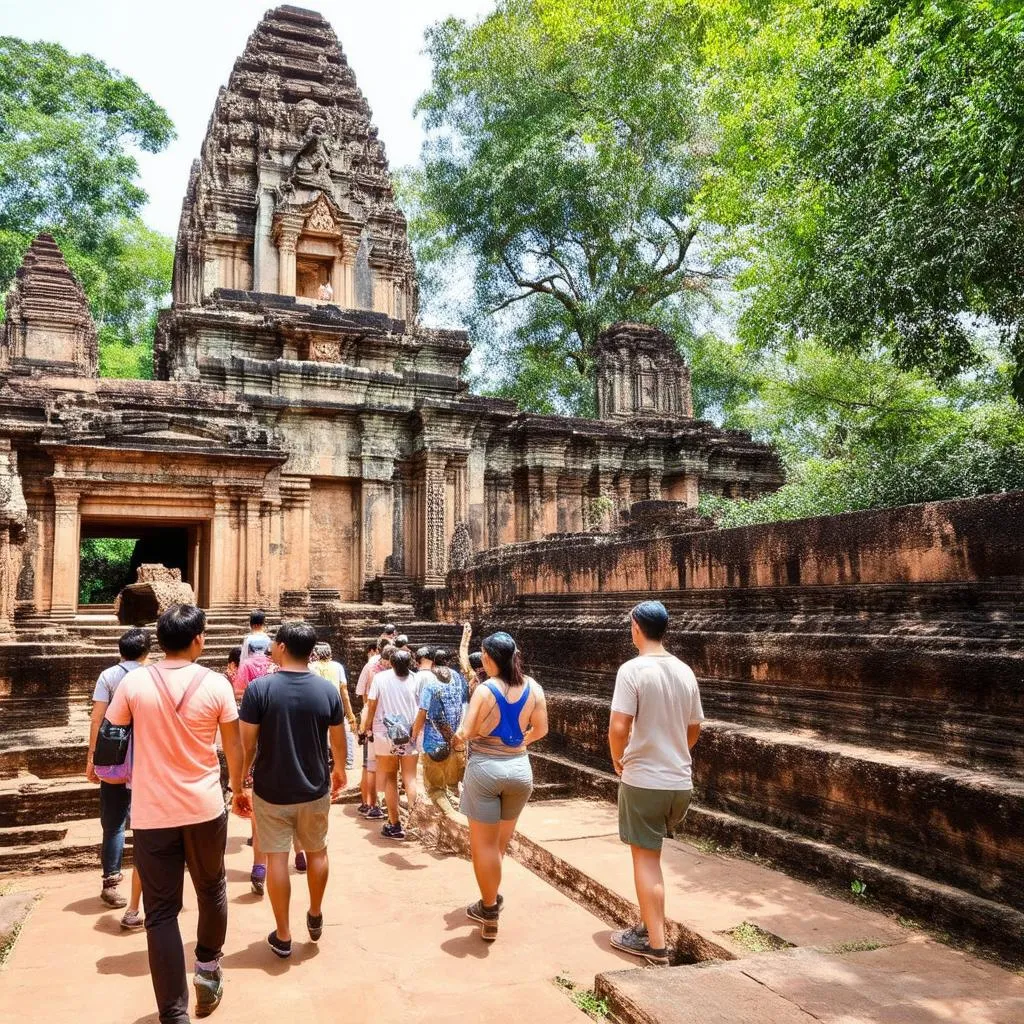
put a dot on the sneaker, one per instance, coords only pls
(487, 918)
(315, 926)
(362, 809)
(300, 861)
(279, 946)
(209, 987)
(132, 921)
(393, 831)
(631, 941)
(374, 814)
(111, 895)
(258, 878)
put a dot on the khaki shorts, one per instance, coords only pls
(447, 773)
(278, 824)
(647, 816)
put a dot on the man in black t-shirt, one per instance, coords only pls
(290, 720)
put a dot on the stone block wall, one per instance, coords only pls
(862, 674)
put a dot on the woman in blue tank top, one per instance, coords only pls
(506, 714)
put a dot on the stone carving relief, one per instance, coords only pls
(311, 165)
(435, 520)
(460, 551)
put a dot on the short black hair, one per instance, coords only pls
(402, 641)
(134, 644)
(382, 643)
(401, 662)
(179, 626)
(441, 657)
(235, 656)
(257, 617)
(425, 652)
(652, 619)
(389, 630)
(299, 639)
(476, 661)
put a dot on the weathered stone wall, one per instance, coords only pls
(862, 674)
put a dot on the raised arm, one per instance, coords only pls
(467, 632)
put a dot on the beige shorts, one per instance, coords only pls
(278, 824)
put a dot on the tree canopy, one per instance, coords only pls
(565, 150)
(68, 128)
(870, 173)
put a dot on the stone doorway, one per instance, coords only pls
(177, 545)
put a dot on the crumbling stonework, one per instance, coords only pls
(156, 588)
(47, 327)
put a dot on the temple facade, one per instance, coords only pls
(306, 438)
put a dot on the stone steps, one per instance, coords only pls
(994, 925)
(68, 846)
(951, 824)
(26, 801)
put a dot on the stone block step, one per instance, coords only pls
(992, 925)
(71, 846)
(915, 982)
(26, 801)
(951, 824)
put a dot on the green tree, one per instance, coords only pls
(68, 127)
(871, 169)
(565, 148)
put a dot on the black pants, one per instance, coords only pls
(161, 856)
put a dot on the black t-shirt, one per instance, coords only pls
(293, 711)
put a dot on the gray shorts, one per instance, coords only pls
(496, 788)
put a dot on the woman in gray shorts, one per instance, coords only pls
(506, 714)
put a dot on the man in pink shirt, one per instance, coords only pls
(178, 816)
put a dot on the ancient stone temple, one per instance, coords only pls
(307, 438)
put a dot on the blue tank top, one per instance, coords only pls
(508, 729)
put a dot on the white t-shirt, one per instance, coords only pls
(661, 694)
(394, 696)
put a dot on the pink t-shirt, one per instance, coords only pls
(257, 665)
(175, 772)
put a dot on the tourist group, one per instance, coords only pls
(174, 745)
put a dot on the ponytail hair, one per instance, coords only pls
(502, 649)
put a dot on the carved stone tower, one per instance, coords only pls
(292, 190)
(48, 327)
(641, 374)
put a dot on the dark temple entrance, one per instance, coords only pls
(175, 545)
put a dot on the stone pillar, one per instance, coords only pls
(253, 547)
(435, 553)
(398, 496)
(296, 529)
(66, 529)
(377, 527)
(286, 234)
(221, 551)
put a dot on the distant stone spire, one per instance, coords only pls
(48, 327)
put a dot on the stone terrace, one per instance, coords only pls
(861, 675)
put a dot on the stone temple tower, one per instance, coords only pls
(292, 190)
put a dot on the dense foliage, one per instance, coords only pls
(870, 170)
(103, 569)
(68, 126)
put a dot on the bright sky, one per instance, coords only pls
(181, 52)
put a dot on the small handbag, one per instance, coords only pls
(398, 729)
(112, 756)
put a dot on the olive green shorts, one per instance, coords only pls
(647, 816)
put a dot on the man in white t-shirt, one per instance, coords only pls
(655, 722)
